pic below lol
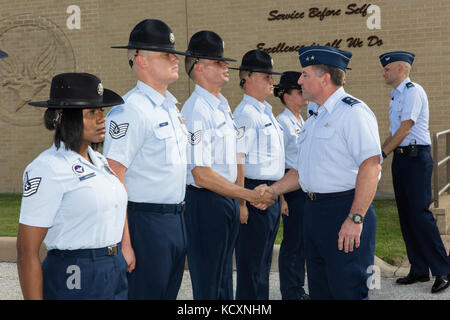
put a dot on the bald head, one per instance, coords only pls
(395, 72)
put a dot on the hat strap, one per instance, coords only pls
(192, 67)
(131, 61)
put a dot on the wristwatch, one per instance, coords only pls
(356, 218)
(383, 154)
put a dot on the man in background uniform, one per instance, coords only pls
(264, 164)
(146, 147)
(212, 213)
(412, 168)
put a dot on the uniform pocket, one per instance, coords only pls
(324, 133)
(164, 132)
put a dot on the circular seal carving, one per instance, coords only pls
(38, 49)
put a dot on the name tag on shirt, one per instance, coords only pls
(90, 175)
(163, 124)
(268, 124)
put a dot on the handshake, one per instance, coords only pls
(264, 197)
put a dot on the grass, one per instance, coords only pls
(389, 242)
(9, 214)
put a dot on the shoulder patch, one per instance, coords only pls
(194, 138)
(31, 186)
(240, 132)
(117, 131)
(410, 85)
(350, 101)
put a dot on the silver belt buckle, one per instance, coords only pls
(311, 196)
(112, 250)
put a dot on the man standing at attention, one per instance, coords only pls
(412, 167)
(146, 148)
(264, 164)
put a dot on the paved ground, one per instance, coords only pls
(10, 288)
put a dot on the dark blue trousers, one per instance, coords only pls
(412, 186)
(291, 260)
(69, 277)
(212, 225)
(159, 244)
(334, 274)
(255, 247)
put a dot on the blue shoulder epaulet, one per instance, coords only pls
(350, 101)
(410, 85)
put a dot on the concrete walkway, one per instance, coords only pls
(388, 289)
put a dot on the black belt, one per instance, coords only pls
(257, 182)
(87, 253)
(406, 149)
(194, 188)
(158, 207)
(322, 196)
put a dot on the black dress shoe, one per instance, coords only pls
(413, 278)
(440, 284)
(305, 297)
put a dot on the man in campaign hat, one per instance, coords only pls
(264, 161)
(412, 168)
(338, 167)
(146, 147)
(212, 211)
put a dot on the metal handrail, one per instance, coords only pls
(437, 164)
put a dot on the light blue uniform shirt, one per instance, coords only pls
(410, 102)
(335, 143)
(263, 142)
(147, 135)
(291, 131)
(82, 204)
(213, 135)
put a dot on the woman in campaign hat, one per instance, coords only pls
(291, 260)
(73, 201)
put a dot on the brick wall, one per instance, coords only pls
(40, 45)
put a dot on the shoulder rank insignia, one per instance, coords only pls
(350, 101)
(31, 186)
(194, 138)
(117, 131)
(410, 85)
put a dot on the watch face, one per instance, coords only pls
(357, 219)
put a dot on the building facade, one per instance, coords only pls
(45, 37)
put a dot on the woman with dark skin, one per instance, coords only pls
(73, 201)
